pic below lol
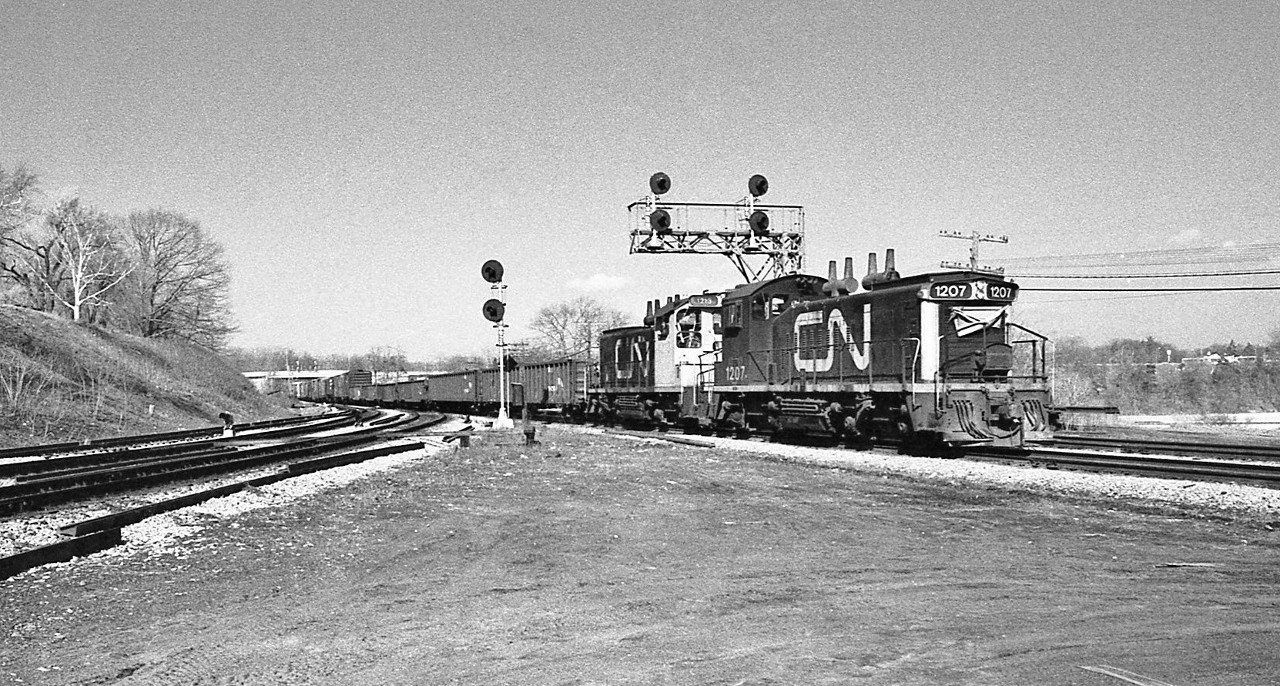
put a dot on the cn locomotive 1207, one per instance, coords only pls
(932, 357)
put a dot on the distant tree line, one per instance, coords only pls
(384, 359)
(153, 273)
(570, 329)
(1149, 376)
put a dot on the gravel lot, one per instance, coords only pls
(597, 559)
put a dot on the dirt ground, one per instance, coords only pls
(598, 560)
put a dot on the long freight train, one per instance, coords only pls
(931, 357)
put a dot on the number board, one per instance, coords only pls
(704, 301)
(973, 290)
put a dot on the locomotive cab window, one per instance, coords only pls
(758, 307)
(716, 326)
(777, 304)
(732, 318)
(688, 333)
(663, 328)
(688, 338)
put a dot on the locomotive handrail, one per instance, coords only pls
(840, 365)
(705, 368)
(1044, 361)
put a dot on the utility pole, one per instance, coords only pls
(975, 239)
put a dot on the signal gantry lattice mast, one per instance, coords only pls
(762, 241)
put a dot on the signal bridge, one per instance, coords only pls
(762, 241)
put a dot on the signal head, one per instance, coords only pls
(759, 223)
(492, 271)
(659, 183)
(494, 310)
(757, 185)
(660, 221)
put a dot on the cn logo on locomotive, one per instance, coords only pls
(822, 328)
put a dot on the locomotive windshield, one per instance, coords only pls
(689, 329)
(970, 320)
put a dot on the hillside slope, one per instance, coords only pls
(61, 382)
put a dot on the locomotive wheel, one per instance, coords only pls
(660, 420)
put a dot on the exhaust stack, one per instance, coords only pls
(874, 277)
(873, 274)
(850, 281)
(890, 273)
(833, 285)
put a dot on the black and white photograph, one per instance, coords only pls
(586, 343)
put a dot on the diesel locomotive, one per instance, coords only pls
(932, 358)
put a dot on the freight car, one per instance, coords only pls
(557, 387)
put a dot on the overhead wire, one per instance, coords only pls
(1265, 253)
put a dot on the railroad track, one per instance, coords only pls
(1231, 450)
(81, 475)
(1259, 466)
(1255, 473)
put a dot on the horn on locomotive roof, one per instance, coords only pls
(648, 313)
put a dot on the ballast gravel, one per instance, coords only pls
(1232, 501)
(591, 558)
(1260, 506)
(30, 530)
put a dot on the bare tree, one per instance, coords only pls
(570, 329)
(178, 287)
(386, 361)
(17, 192)
(35, 266)
(72, 260)
(83, 241)
(17, 208)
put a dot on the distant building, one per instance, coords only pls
(287, 382)
(1214, 359)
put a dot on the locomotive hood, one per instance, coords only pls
(803, 283)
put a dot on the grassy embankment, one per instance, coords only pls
(62, 382)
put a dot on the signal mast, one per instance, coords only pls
(762, 241)
(495, 310)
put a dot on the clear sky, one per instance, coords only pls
(360, 160)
